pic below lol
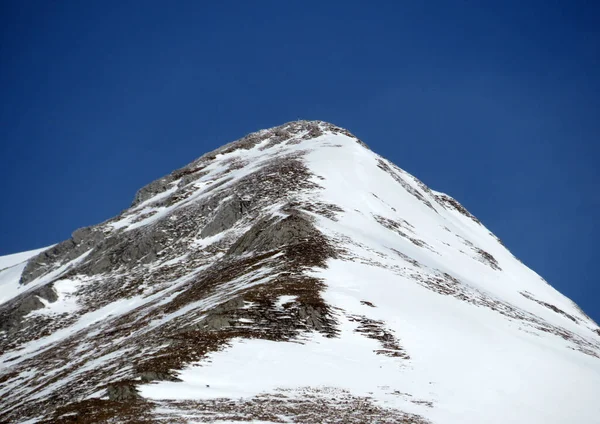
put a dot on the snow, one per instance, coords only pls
(8, 261)
(160, 196)
(357, 172)
(284, 300)
(9, 281)
(468, 362)
(11, 268)
(9, 277)
(472, 363)
(465, 360)
(67, 300)
(112, 309)
(218, 170)
(265, 366)
(201, 243)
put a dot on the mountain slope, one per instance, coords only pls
(291, 276)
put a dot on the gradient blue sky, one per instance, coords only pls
(498, 106)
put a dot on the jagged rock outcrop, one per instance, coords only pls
(12, 314)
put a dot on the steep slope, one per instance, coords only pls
(291, 276)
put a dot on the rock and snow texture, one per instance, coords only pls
(291, 276)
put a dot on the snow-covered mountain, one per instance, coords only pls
(290, 276)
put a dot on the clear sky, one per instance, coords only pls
(499, 106)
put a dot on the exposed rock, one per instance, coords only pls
(488, 259)
(12, 313)
(149, 376)
(376, 330)
(122, 391)
(396, 173)
(278, 135)
(80, 242)
(228, 258)
(222, 316)
(227, 215)
(550, 306)
(152, 189)
(447, 201)
(272, 233)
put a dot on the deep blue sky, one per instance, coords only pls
(498, 106)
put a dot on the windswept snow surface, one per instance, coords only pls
(433, 315)
(468, 363)
(11, 267)
(8, 261)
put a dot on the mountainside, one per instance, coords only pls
(290, 276)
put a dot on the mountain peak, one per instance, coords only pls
(289, 133)
(292, 273)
